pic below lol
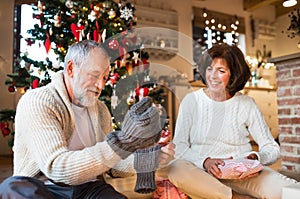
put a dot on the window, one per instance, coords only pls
(210, 27)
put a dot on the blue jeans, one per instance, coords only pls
(20, 187)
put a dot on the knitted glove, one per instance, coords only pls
(145, 164)
(141, 128)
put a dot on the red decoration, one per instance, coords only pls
(145, 63)
(96, 36)
(76, 30)
(3, 125)
(26, 88)
(135, 63)
(5, 131)
(35, 83)
(114, 78)
(165, 137)
(141, 92)
(113, 44)
(12, 89)
(47, 43)
(4, 128)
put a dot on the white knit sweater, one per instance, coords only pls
(207, 128)
(44, 124)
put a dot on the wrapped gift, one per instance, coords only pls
(239, 168)
(166, 190)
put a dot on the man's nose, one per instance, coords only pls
(99, 84)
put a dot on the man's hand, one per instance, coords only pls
(141, 128)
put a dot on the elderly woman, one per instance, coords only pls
(214, 124)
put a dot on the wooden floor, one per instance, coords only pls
(6, 167)
(6, 171)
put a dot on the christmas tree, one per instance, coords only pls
(64, 22)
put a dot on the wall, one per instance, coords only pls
(7, 100)
(288, 81)
(284, 45)
(280, 45)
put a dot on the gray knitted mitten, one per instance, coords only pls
(141, 128)
(145, 164)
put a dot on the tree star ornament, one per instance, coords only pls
(126, 13)
(135, 57)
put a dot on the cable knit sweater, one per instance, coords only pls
(207, 128)
(44, 124)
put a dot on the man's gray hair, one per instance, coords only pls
(79, 52)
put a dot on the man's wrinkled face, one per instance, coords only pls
(90, 79)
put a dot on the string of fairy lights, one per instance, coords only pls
(217, 32)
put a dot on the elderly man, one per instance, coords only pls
(64, 141)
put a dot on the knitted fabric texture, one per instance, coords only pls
(145, 164)
(207, 128)
(141, 128)
(44, 124)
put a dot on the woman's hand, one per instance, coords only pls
(251, 156)
(167, 154)
(211, 166)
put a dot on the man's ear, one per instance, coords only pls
(70, 68)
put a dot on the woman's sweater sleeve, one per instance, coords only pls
(182, 137)
(269, 150)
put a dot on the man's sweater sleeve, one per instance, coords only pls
(40, 122)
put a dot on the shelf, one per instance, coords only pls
(147, 16)
(167, 16)
(144, 23)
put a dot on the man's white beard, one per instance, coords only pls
(81, 95)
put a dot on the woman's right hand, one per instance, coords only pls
(211, 166)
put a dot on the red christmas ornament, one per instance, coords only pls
(35, 83)
(113, 44)
(47, 43)
(5, 131)
(114, 78)
(26, 88)
(12, 89)
(141, 92)
(135, 63)
(145, 63)
(96, 36)
(76, 30)
(3, 125)
(165, 137)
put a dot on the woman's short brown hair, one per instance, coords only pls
(239, 69)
